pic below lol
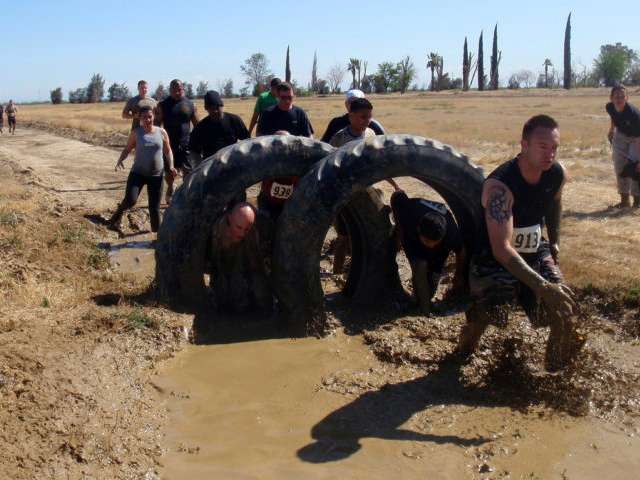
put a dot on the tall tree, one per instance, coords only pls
(287, 68)
(56, 96)
(480, 65)
(495, 60)
(160, 92)
(387, 76)
(567, 54)
(547, 63)
(406, 73)
(256, 70)
(433, 60)
(95, 89)
(314, 73)
(354, 68)
(201, 88)
(465, 66)
(335, 75)
(613, 63)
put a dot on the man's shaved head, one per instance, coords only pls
(240, 220)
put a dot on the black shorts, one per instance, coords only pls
(181, 160)
(492, 285)
(12, 121)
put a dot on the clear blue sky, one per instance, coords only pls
(48, 44)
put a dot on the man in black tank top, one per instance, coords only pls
(176, 114)
(519, 198)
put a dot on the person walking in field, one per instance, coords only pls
(286, 119)
(265, 100)
(176, 114)
(134, 104)
(624, 135)
(358, 129)
(1, 118)
(520, 198)
(338, 123)
(217, 130)
(153, 155)
(11, 110)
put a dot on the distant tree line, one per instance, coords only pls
(615, 63)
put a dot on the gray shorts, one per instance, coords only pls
(624, 151)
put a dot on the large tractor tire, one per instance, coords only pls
(329, 187)
(181, 248)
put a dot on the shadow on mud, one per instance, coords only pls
(381, 413)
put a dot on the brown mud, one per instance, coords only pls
(96, 382)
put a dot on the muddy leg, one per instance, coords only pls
(478, 320)
(340, 253)
(421, 285)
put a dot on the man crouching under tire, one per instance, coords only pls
(519, 198)
(239, 281)
(428, 233)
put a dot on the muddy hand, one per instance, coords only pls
(558, 299)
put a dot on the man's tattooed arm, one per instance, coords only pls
(498, 203)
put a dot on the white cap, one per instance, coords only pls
(354, 93)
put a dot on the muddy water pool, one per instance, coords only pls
(252, 405)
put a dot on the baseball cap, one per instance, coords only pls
(213, 99)
(354, 93)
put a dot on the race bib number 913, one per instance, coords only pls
(280, 191)
(527, 239)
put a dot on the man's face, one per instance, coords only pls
(285, 99)
(177, 90)
(215, 111)
(360, 120)
(143, 89)
(274, 91)
(541, 147)
(239, 223)
(619, 99)
(146, 119)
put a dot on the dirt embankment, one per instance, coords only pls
(78, 342)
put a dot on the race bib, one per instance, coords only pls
(281, 192)
(527, 239)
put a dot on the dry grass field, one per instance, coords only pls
(599, 243)
(80, 342)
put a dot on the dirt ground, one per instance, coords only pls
(81, 342)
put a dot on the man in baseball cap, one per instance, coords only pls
(338, 123)
(216, 130)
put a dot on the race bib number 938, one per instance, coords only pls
(527, 239)
(281, 191)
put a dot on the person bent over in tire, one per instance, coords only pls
(238, 276)
(151, 144)
(519, 198)
(428, 233)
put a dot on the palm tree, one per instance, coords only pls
(547, 63)
(433, 62)
(354, 67)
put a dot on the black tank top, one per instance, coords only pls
(176, 117)
(530, 202)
